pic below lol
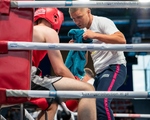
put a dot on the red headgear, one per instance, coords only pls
(52, 15)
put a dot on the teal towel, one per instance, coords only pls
(76, 60)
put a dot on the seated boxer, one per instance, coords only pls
(47, 24)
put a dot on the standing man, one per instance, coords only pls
(47, 24)
(110, 66)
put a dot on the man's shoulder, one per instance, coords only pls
(102, 18)
(41, 27)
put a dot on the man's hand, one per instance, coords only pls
(88, 34)
(71, 41)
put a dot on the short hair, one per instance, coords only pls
(72, 10)
(89, 72)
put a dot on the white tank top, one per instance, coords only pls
(102, 59)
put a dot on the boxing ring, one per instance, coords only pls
(11, 93)
(91, 4)
(78, 94)
(78, 47)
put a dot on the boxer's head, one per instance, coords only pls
(52, 15)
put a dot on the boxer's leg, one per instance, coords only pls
(50, 112)
(86, 107)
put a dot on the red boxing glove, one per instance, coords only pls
(77, 78)
(42, 103)
(72, 105)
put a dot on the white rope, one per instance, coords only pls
(2, 118)
(77, 46)
(91, 4)
(77, 94)
(132, 115)
(28, 115)
(127, 115)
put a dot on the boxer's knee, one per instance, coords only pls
(90, 87)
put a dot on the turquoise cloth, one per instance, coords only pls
(76, 60)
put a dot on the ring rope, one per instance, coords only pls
(2, 118)
(125, 115)
(91, 4)
(77, 94)
(132, 115)
(28, 115)
(77, 46)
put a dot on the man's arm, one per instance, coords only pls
(116, 38)
(55, 56)
(86, 57)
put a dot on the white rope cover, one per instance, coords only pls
(28, 115)
(132, 115)
(77, 94)
(77, 46)
(125, 115)
(2, 118)
(91, 4)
